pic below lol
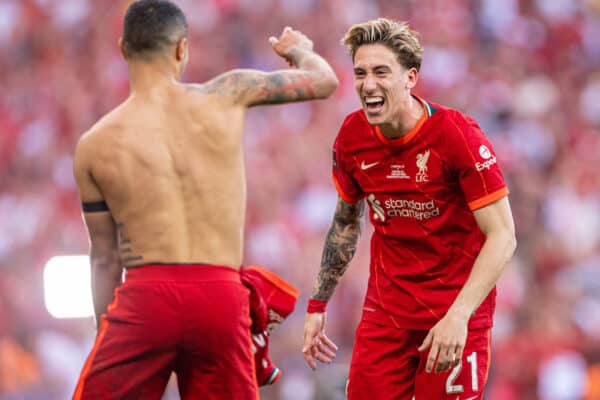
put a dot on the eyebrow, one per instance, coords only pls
(375, 68)
(382, 67)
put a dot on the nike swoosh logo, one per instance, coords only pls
(367, 166)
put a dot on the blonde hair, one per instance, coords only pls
(397, 36)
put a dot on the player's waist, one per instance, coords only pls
(418, 313)
(182, 271)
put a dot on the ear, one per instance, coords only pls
(181, 49)
(120, 44)
(413, 78)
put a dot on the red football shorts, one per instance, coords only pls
(190, 319)
(387, 366)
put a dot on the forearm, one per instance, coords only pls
(489, 264)
(106, 275)
(340, 246)
(319, 71)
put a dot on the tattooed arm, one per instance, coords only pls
(340, 246)
(106, 270)
(312, 78)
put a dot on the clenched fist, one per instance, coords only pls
(289, 42)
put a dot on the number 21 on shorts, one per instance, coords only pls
(451, 388)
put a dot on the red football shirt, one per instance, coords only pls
(421, 190)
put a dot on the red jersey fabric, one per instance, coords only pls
(420, 190)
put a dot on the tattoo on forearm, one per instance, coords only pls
(340, 246)
(263, 88)
(280, 88)
(126, 252)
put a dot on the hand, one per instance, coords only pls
(447, 340)
(316, 343)
(288, 41)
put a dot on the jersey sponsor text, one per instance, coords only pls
(419, 210)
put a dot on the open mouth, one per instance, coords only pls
(374, 103)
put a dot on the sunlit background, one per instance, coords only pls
(527, 70)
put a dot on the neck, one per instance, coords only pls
(148, 76)
(409, 113)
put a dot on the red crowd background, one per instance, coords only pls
(527, 70)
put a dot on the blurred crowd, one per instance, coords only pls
(527, 70)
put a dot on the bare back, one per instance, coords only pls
(170, 167)
(167, 164)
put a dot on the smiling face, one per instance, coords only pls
(382, 83)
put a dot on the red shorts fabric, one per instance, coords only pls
(190, 319)
(387, 366)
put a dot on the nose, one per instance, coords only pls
(369, 83)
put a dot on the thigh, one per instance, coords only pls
(467, 380)
(129, 360)
(384, 363)
(217, 361)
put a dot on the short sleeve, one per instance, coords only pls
(475, 161)
(346, 185)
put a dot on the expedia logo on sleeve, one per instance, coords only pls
(489, 158)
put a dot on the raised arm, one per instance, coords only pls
(340, 246)
(311, 78)
(106, 270)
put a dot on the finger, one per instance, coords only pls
(309, 360)
(316, 340)
(309, 339)
(287, 28)
(427, 342)
(325, 350)
(442, 359)
(445, 358)
(314, 352)
(442, 367)
(329, 343)
(459, 353)
(432, 357)
(324, 358)
(273, 40)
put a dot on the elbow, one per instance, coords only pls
(327, 84)
(512, 242)
(505, 243)
(105, 262)
(332, 83)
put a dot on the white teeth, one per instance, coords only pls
(374, 99)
